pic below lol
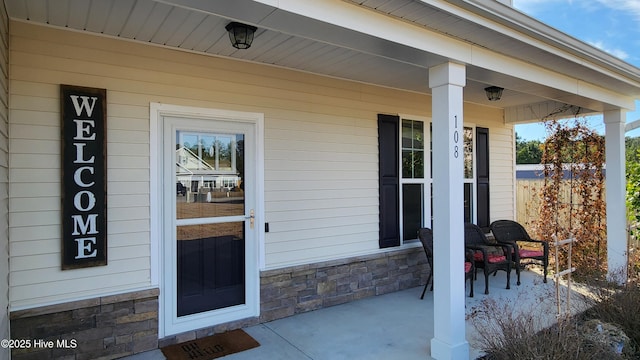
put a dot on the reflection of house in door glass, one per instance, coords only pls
(209, 162)
(210, 255)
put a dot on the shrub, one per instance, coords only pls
(619, 305)
(513, 333)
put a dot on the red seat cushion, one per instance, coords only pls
(467, 267)
(531, 253)
(492, 258)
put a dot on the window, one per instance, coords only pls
(469, 175)
(416, 188)
(413, 180)
(405, 177)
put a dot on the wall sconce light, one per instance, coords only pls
(241, 35)
(494, 93)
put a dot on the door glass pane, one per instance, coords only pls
(411, 210)
(207, 150)
(210, 261)
(209, 175)
(225, 147)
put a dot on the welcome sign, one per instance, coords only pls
(84, 178)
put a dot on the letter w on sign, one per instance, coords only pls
(83, 104)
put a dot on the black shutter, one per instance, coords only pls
(482, 177)
(388, 157)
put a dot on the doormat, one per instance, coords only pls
(211, 347)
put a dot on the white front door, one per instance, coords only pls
(209, 232)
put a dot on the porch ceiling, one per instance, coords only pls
(295, 41)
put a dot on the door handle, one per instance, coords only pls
(252, 218)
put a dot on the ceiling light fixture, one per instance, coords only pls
(494, 93)
(241, 35)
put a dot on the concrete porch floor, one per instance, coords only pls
(393, 326)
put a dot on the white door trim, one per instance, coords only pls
(157, 112)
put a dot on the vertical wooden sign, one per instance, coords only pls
(84, 177)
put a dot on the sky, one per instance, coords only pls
(610, 25)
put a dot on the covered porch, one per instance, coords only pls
(392, 326)
(439, 55)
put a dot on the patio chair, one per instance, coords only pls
(469, 270)
(488, 256)
(426, 238)
(511, 232)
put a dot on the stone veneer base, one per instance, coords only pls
(114, 326)
(288, 291)
(107, 327)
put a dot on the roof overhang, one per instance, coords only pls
(388, 43)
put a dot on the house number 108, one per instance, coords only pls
(456, 138)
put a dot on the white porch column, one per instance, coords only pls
(446, 82)
(615, 193)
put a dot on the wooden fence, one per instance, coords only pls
(528, 206)
(528, 199)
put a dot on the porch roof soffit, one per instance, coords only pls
(503, 53)
(497, 49)
(392, 44)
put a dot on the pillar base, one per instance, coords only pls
(444, 351)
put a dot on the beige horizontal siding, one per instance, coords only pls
(4, 177)
(313, 214)
(35, 186)
(313, 254)
(321, 189)
(321, 162)
(501, 173)
(58, 290)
